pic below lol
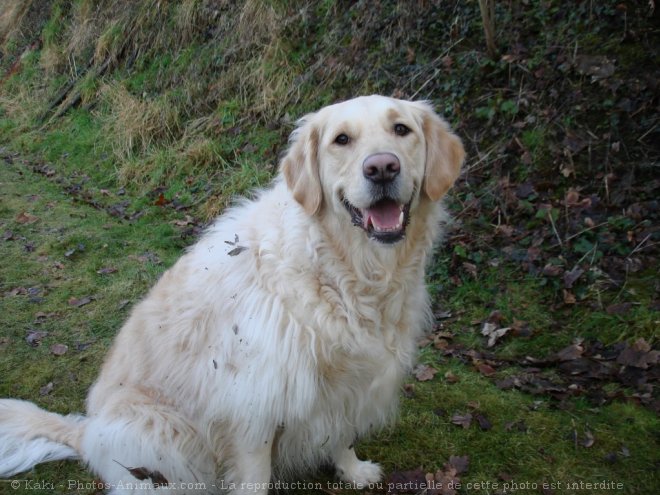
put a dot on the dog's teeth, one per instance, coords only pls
(401, 217)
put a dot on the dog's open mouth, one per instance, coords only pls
(385, 220)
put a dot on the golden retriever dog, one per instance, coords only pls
(284, 334)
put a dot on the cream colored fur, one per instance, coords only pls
(239, 368)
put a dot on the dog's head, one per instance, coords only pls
(372, 159)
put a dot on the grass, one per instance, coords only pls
(46, 276)
(46, 279)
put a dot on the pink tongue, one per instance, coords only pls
(384, 215)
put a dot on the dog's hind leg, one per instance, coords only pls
(137, 444)
(249, 466)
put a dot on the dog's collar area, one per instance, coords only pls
(384, 221)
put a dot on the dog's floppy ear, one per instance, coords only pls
(300, 166)
(444, 153)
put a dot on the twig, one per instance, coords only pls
(554, 228)
(639, 245)
(639, 139)
(437, 59)
(436, 71)
(487, 8)
(584, 230)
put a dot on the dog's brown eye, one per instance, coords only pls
(401, 130)
(342, 139)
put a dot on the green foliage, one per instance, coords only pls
(52, 31)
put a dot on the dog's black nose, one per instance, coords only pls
(381, 167)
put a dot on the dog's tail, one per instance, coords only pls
(29, 436)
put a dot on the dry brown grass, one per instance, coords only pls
(11, 16)
(188, 18)
(108, 44)
(200, 152)
(84, 29)
(260, 75)
(135, 124)
(52, 59)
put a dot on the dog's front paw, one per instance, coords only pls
(361, 473)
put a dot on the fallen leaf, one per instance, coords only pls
(408, 390)
(618, 309)
(80, 302)
(638, 355)
(493, 333)
(574, 143)
(505, 476)
(485, 369)
(410, 55)
(161, 201)
(572, 197)
(451, 377)
(17, 291)
(106, 270)
(26, 218)
(507, 383)
(470, 268)
(570, 352)
(118, 209)
(79, 248)
(34, 337)
(147, 257)
(571, 277)
(495, 317)
(46, 389)
(234, 242)
(143, 473)
(81, 346)
(237, 250)
(445, 481)
(525, 190)
(596, 66)
(188, 220)
(8, 235)
(552, 270)
(521, 328)
(406, 482)
(42, 316)
(424, 372)
(569, 297)
(459, 463)
(520, 426)
(483, 421)
(464, 420)
(59, 349)
(442, 315)
(440, 344)
(588, 439)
